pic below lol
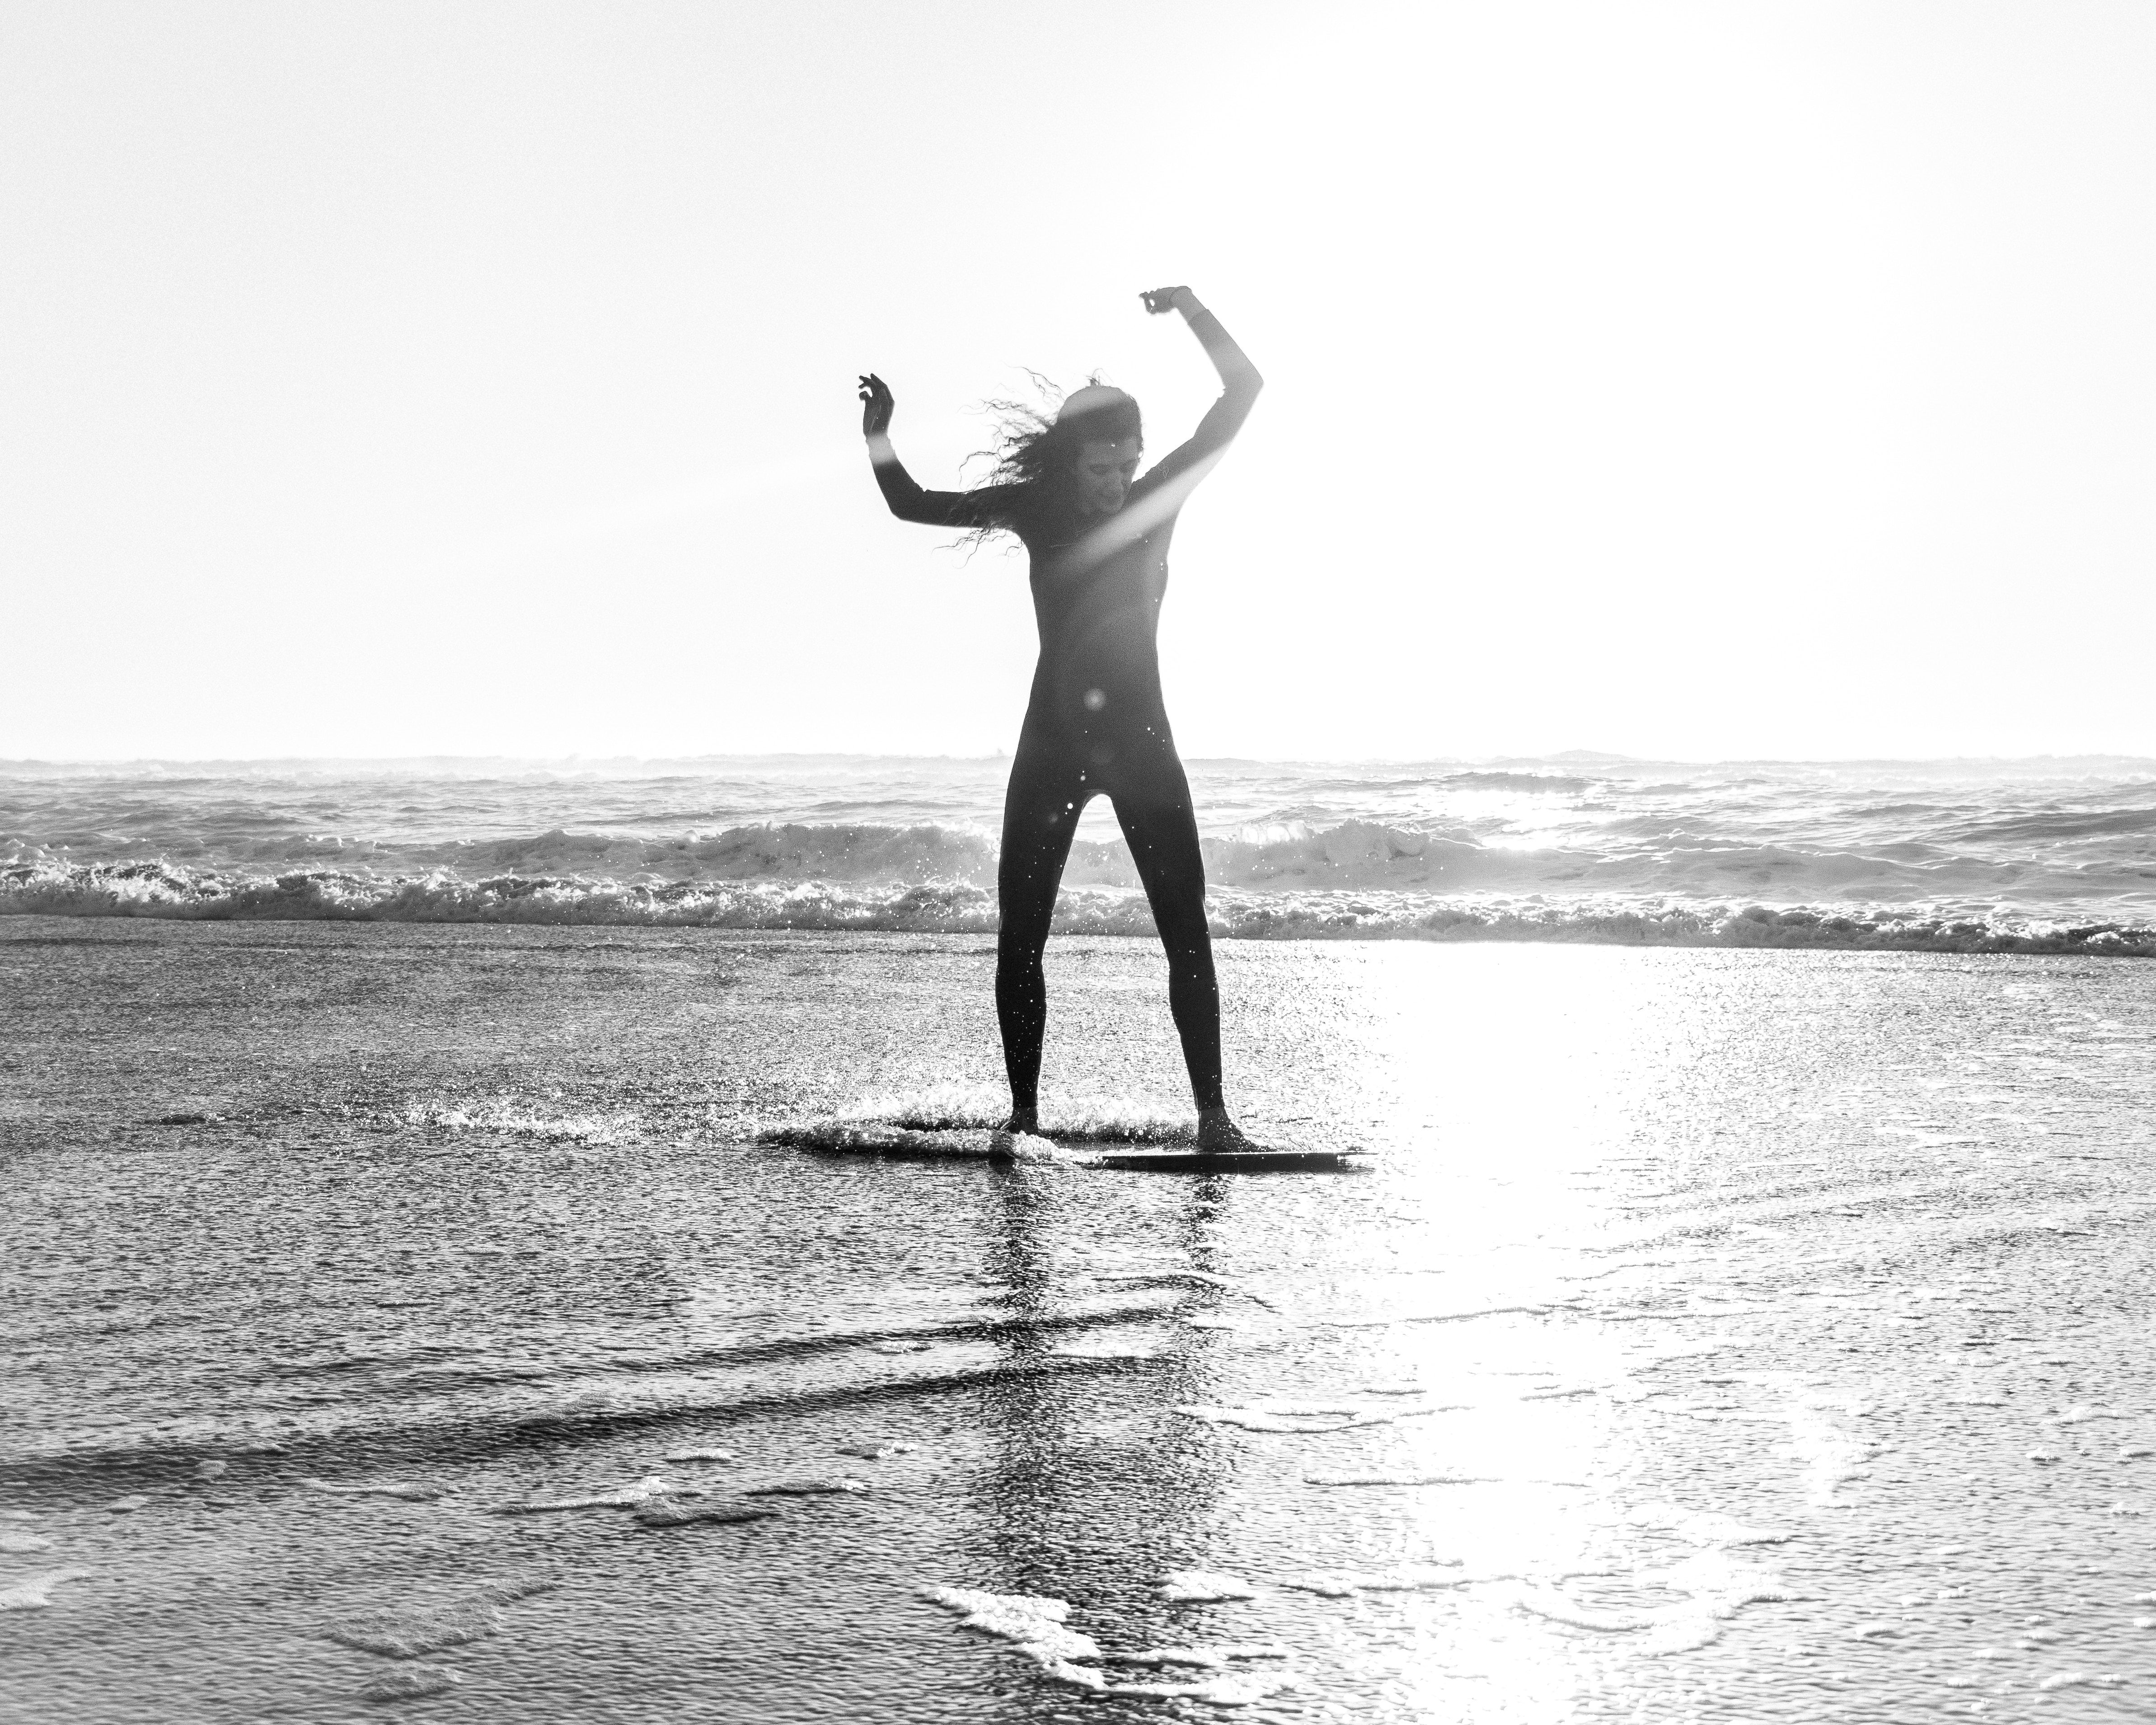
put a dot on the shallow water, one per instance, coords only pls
(1716, 1335)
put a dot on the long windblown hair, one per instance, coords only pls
(1036, 444)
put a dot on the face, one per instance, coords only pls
(1105, 472)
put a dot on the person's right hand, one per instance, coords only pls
(877, 406)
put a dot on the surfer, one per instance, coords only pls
(1097, 537)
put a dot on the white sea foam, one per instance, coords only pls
(386, 1488)
(17, 1543)
(1279, 1416)
(1715, 1586)
(2080, 1412)
(1451, 1316)
(674, 1512)
(33, 1592)
(1310, 1416)
(1200, 1587)
(629, 1497)
(1035, 1626)
(1031, 1622)
(1226, 1689)
(1214, 1656)
(883, 1138)
(1401, 1577)
(407, 1635)
(1557, 1609)
(816, 1486)
(517, 1119)
(1108, 1348)
(680, 1456)
(941, 907)
(511, 1588)
(412, 1631)
(1076, 1117)
(1331, 1583)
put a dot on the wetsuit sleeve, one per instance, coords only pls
(932, 509)
(1223, 419)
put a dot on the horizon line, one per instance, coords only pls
(1574, 757)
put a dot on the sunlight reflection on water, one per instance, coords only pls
(1690, 1348)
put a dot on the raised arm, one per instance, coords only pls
(907, 500)
(1239, 386)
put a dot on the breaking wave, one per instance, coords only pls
(2042, 856)
(1285, 912)
(1642, 854)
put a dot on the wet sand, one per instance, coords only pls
(1716, 1334)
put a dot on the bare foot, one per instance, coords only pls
(1003, 1142)
(1219, 1136)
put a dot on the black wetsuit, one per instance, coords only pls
(1096, 724)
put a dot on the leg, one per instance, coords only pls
(1162, 833)
(1041, 812)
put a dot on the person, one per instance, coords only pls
(1098, 538)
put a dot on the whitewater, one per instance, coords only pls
(2046, 855)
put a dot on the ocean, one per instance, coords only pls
(2051, 855)
(419, 1291)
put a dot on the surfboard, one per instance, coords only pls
(1263, 1159)
(902, 1144)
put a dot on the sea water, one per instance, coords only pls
(418, 1316)
(2044, 855)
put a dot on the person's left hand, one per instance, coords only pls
(1167, 299)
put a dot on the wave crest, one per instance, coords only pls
(1643, 854)
(167, 890)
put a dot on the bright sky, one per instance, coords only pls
(1698, 380)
